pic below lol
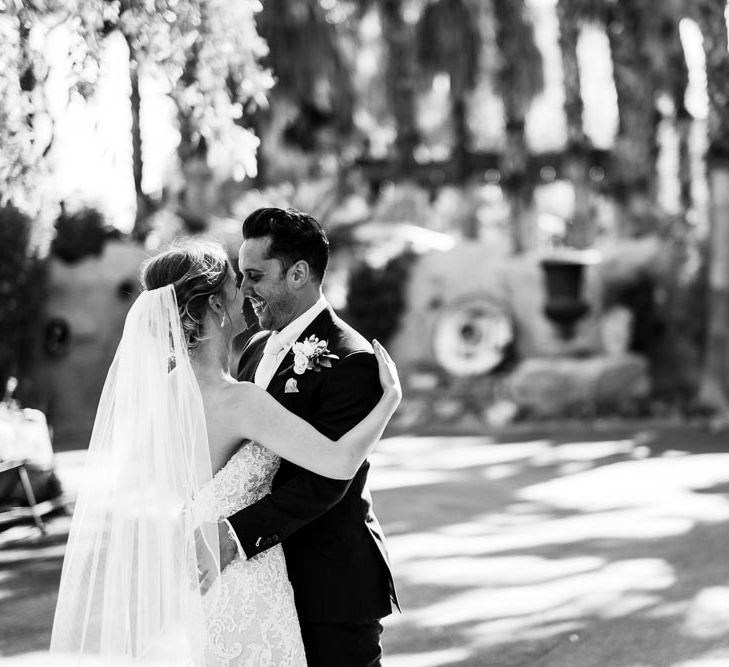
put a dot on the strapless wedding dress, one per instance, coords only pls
(254, 621)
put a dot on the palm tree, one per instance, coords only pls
(669, 63)
(192, 144)
(312, 72)
(145, 33)
(629, 32)
(27, 125)
(400, 81)
(569, 15)
(144, 202)
(137, 46)
(197, 50)
(448, 41)
(192, 149)
(710, 15)
(520, 78)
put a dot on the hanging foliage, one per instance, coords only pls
(80, 234)
(161, 35)
(26, 122)
(520, 78)
(209, 51)
(629, 28)
(22, 281)
(521, 74)
(318, 77)
(448, 41)
(400, 69)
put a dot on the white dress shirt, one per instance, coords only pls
(277, 347)
(280, 342)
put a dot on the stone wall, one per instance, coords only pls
(513, 284)
(92, 297)
(548, 375)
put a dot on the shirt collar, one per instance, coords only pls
(288, 335)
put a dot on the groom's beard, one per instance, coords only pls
(274, 314)
(262, 311)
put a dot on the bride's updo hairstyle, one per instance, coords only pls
(197, 271)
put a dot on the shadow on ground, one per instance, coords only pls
(557, 552)
(576, 549)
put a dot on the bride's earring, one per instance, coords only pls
(222, 322)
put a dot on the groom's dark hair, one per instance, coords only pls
(294, 236)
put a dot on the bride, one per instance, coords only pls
(178, 445)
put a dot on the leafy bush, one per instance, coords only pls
(79, 235)
(669, 320)
(22, 282)
(376, 296)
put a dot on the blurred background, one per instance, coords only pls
(520, 194)
(527, 200)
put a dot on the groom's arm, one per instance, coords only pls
(348, 394)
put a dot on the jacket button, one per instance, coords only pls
(274, 538)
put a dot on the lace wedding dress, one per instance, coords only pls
(254, 621)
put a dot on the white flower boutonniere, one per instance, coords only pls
(311, 354)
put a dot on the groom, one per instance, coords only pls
(334, 546)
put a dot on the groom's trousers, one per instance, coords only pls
(342, 644)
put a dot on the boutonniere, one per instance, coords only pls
(310, 354)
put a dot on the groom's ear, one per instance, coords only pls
(299, 273)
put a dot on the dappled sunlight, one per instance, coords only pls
(708, 613)
(503, 631)
(553, 622)
(405, 461)
(460, 452)
(670, 481)
(627, 525)
(579, 595)
(502, 471)
(590, 451)
(554, 539)
(574, 467)
(429, 659)
(32, 553)
(535, 546)
(453, 453)
(497, 521)
(498, 572)
(715, 659)
(388, 479)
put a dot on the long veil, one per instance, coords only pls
(129, 587)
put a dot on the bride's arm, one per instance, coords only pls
(266, 421)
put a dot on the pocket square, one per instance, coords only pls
(291, 387)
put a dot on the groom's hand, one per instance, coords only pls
(228, 546)
(207, 569)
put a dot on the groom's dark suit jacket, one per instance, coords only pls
(334, 546)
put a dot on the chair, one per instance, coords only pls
(34, 510)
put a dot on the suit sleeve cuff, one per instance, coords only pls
(234, 537)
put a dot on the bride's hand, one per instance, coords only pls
(388, 372)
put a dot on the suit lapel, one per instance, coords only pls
(251, 356)
(320, 327)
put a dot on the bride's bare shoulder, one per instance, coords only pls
(245, 395)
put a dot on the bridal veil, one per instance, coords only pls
(129, 589)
